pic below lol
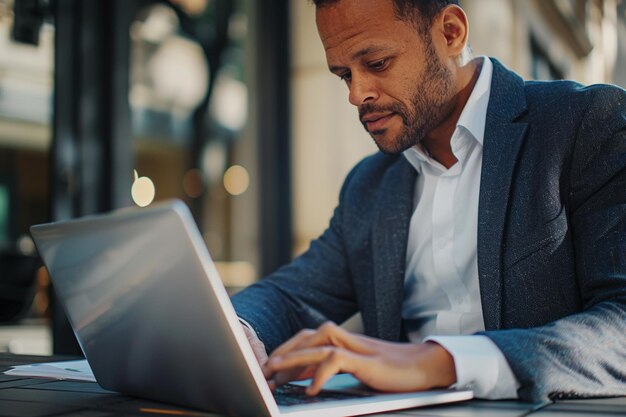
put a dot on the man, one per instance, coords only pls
(490, 233)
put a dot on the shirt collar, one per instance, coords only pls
(474, 114)
(473, 117)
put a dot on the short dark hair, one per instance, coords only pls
(420, 12)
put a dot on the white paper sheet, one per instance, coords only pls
(69, 370)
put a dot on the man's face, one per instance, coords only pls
(396, 79)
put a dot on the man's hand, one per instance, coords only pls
(257, 346)
(385, 366)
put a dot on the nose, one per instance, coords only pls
(362, 89)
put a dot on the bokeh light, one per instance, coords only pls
(236, 180)
(193, 183)
(142, 191)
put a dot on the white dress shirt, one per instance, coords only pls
(441, 289)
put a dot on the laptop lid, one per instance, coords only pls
(154, 320)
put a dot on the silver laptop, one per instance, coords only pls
(153, 319)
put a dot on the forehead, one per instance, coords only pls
(348, 25)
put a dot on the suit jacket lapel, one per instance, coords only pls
(389, 238)
(502, 143)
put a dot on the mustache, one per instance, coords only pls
(373, 108)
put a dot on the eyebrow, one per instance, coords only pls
(360, 54)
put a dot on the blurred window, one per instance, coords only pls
(26, 83)
(191, 134)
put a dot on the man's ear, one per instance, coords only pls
(452, 27)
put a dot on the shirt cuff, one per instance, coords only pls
(480, 366)
(245, 323)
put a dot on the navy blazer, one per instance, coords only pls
(551, 243)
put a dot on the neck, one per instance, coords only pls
(437, 142)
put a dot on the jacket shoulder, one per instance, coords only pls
(570, 93)
(367, 174)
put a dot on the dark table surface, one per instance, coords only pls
(39, 397)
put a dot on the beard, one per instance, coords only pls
(430, 106)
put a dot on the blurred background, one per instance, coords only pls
(225, 104)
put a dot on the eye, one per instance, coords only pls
(378, 65)
(346, 76)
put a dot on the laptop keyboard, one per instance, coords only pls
(290, 394)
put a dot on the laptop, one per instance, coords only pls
(154, 320)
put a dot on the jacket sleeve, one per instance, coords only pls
(584, 355)
(313, 288)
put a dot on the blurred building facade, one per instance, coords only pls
(583, 40)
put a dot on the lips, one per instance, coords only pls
(376, 121)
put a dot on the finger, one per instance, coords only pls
(303, 364)
(301, 337)
(358, 344)
(287, 373)
(324, 372)
(272, 367)
(296, 365)
(339, 361)
(331, 334)
(300, 358)
(327, 334)
(268, 372)
(294, 374)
